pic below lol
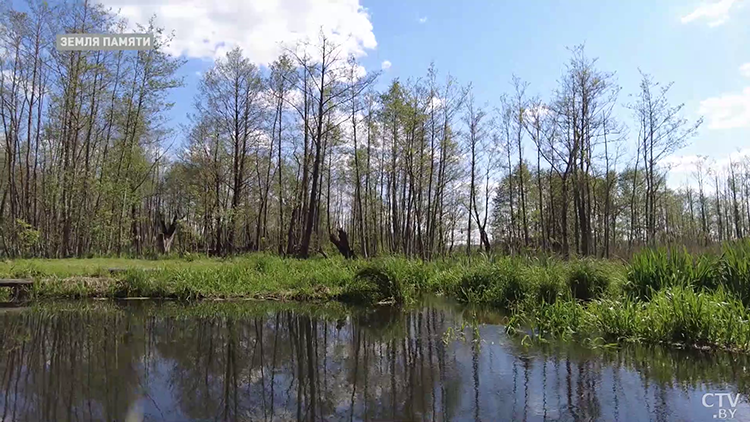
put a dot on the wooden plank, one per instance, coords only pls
(12, 282)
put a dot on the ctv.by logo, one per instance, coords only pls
(721, 400)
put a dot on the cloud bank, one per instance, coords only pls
(206, 29)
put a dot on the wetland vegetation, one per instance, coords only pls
(661, 296)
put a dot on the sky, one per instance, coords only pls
(703, 47)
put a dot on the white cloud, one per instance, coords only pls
(385, 65)
(437, 102)
(745, 70)
(727, 111)
(360, 72)
(682, 163)
(683, 169)
(716, 12)
(735, 157)
(423, 19)
(207, 29)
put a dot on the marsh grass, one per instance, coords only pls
(733, 270)
(677, 315)
(508, 282)
(661, 296)
(653, 270)
(589, 279)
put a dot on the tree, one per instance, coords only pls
(661, 132)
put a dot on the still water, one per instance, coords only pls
(264, 361)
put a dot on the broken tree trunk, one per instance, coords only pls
(342, 243)
(166, 236)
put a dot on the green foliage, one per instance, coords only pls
(733, 270)
(28, 236)
(560, 319)
(588, 280)
(374, 284)
(652, 270)
(501, 283)
(661, 297)
(675, 315)
(550, 282)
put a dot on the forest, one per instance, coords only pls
(308, 157)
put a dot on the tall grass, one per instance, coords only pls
(662, 295)
(674, 315)
(653, 270)
(589, 279)
(510, 281)
(733, 270)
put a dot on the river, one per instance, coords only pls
(264, 361)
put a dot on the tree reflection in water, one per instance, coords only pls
(266, 362)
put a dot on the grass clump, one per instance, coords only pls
(139, 283)
(653, 270)
(675, 315)
(588, 279)
(549, 283)
(561, 319)
(374, 284)
(502, 284)
(733, 270)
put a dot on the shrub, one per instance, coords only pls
(502, 284)
(472, 287)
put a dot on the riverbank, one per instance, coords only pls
(666, 297)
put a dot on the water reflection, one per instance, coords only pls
(266, 362)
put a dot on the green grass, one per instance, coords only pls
(256, 275)
(665, 296)
(661, 296)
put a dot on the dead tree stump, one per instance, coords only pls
(342, 244)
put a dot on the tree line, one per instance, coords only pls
(307, 154)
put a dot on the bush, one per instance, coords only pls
(502, 284)
(472, 287)
(674, 315)
(513, 287)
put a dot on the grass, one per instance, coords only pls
(665, 296)
(256, 276)
(661, 296)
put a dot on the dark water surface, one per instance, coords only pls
(268, 361)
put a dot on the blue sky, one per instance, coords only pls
(701, 46)
(486, 42)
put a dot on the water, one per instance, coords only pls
(282, 362)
